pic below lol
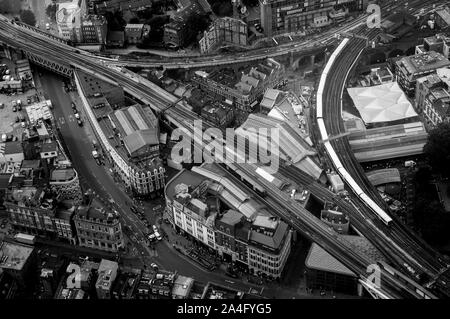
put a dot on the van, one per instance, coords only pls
(410, 163)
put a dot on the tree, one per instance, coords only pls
(437, 149)
(195, 24)
(28, 17)
(51, 11)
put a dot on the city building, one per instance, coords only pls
(439, 43)
(65, 183)
(91, 29)
(11, 152)
(433, 97)
(290, 140)
(284, 16)
(323, 271)
(161, 285)
(339, 221)
(182, 287)
(246, 233)
(135, 32)
(409, 69)
(107, 273)
(102, 6)
(242, 91)
(34, 210)
(125, 284)
(220, 114)
(18, 261)
(129, 137)
(442, 17)
(224, 32)
(216, 291)
(98, 227)
(176, 34)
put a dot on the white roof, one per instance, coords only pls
(382, 103)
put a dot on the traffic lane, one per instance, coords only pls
(79, 146)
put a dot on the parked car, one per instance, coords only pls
(14, 109)
(73, 105)
(77, 116)
(74, 109)
(155, 229)
(158, 236)
(79, 122)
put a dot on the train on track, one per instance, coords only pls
(382, 215)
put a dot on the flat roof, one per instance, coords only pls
(62, 174)
(186, 177)
(14, 255)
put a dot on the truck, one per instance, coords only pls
(97, 157)
(25, 238)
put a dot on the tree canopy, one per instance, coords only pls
(437, 149)
(51, 11)
(28, 17)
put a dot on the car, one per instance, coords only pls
(79, 122)
(77, 116)
(19, 108)
(28, 100)
(154, 266)
(73, 105)
(151, 237)
(23, 124)
(14, 109)
(158, 236)
(155, 229)
(74, 109)
(17, 119)
(157, 207)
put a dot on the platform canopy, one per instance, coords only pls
(381, 103)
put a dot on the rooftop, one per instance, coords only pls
(319, 259)
(182, 286)
(14, 255)
(64, 174)
(423, 62)
(96, 210)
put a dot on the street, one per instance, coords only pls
(79, 143)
